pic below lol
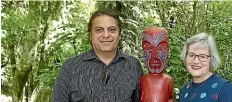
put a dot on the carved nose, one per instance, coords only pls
(154, 53)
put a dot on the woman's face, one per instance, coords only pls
(198, 61)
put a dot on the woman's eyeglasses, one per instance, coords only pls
(201, 57)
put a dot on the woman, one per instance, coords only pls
(201, 59)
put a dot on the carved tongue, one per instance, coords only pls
(155, 64)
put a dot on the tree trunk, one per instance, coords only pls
(14, 87)
(193, 28)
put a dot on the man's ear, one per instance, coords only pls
(90, 40)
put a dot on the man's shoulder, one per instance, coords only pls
(133, 58)
(77, 58)
(127, 56)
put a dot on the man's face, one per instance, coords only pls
(104, 34)
(155, 47)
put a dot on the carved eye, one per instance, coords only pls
(146, 53)
(163, 46)
(146, 45)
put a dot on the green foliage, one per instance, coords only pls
(44, 95)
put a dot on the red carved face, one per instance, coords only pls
(155, 48)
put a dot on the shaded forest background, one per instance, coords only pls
(38, 36)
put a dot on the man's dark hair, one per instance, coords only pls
(102, 13)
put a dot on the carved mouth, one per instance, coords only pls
(155, 64)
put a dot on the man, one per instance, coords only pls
(102, 74)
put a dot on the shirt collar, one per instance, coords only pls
(91, 55)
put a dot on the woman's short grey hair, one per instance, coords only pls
(203, 40)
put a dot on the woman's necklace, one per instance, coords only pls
(191, 85)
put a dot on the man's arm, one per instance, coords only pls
(61, 89)
(136, 94)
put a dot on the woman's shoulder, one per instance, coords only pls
(219, 79)
(227, 86)
(184, 89)
(186, 86)
(225, 93)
